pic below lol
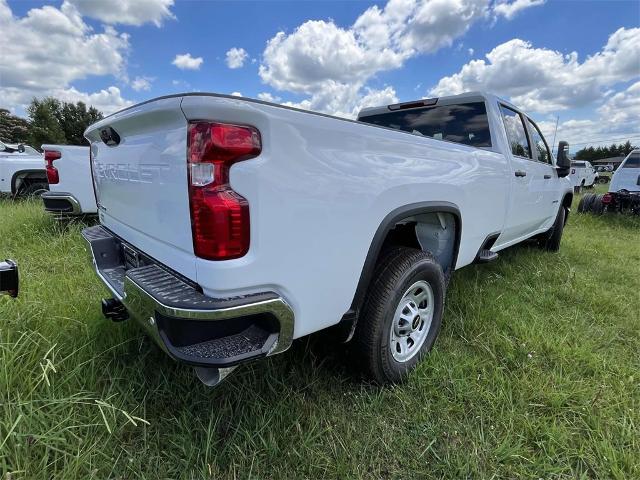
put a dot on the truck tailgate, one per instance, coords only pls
(140, 173)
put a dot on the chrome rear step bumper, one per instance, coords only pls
(61, 203)
(188, 325)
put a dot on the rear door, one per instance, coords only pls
(529, 203)
(546, 179)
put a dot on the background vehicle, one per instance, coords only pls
(70, 184)
(21, 173)
(9, 280)
(17, 149)
(230, 227)
(604, 168)
(624, 191)
(582, 174)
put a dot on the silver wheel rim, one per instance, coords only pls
(411, 321)
(39, 192)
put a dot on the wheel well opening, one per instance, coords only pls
(567, 200)
(434, 232)
(23, 179)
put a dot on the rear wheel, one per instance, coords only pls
(550, 241)
(401, 315)
(35, 189)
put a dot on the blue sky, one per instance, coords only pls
(576, 60)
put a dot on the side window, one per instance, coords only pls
(540, 145)
(516, 134)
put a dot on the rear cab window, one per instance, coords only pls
(633, 161)
(464, 123)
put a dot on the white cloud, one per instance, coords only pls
(345, 100)
(187, 62)
(126, 12)
(380, 39)
(142, 83)
(617, 119)
(108, 100)
(235, 57)
(542, 80)
(623, 108)
(48, 48)
(470, 51)
(510, 9)
(333, 64)
(236, 94)
(268, 97)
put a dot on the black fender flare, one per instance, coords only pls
(375, 248)
(567, 200)
(14, 178)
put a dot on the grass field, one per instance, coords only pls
(535, 375)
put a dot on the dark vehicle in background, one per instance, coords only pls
(9, 280)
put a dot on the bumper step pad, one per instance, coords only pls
(169, 290)
(190, 326)
(252, 339)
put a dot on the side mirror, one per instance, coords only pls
(563, 162)
(21, 148)
(9, 278)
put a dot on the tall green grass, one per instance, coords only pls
(535, 374)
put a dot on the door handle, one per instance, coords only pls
(520, 173)
(547, 177)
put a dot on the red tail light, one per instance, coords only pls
(219, 215)
(52, 172)
(607, 198)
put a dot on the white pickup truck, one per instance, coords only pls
(231, 226)
(583, 174)
(21, 171)
(70, 185)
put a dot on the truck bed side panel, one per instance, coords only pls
(321, 188)
(74, 171)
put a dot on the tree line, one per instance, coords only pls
(598, 153)
(49, 121)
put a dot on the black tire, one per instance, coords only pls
(551, 240)
(581, 205)
(398, 270)
(589, 203)
(585, 203)
(597, 207)
(34, 189)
